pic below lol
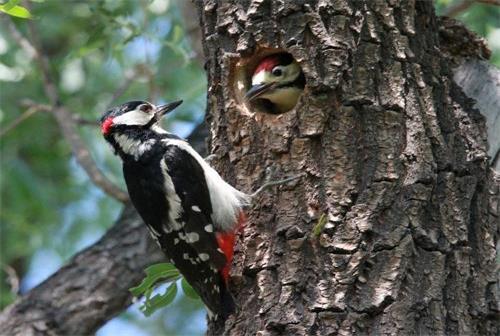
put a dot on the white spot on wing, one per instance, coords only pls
(192, 237)
(185, 256)
(196, 208)
(204, 256)
(176, 241)
(209, 228)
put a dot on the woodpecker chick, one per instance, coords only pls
(278, 79)
(189, 209)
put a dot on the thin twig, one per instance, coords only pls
(462, 6)
(28, 103)
(25, 115)
(47, 108)
(273, 183)
(64, 117)
(21, 40)
(85, 122)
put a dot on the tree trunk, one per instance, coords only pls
(396, 163)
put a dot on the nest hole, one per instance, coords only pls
(283, 96)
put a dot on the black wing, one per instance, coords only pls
(146, 186)
(205, 258)
(190, 185)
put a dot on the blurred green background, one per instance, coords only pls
(102, 53)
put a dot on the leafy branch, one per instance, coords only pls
(63, 116)
(13, 9)
(156, 275)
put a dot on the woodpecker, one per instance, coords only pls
(189, 209)
(278, 79)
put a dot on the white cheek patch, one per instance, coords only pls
(135, 117)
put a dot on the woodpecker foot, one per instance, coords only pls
(210, 158)
(269, 184)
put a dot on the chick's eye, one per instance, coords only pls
(145, 108)
(277, 72)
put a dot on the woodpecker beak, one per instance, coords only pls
(259, 89)
(164, 109)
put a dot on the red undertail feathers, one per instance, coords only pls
(226, 241)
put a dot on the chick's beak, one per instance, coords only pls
(162, 110)
(258, 90)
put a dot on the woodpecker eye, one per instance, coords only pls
(277, 72)
(145, 108)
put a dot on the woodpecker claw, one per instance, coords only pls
(273, 183)
(210, 158)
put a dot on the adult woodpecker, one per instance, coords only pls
(190, 210)
(279, 79)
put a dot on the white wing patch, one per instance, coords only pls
(226, 200)
(173, 200)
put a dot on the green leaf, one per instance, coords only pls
(158, 268)
(177, 34)
(17, 11)
(320, 225)
(188, 290)
(159, 301)
(10, 4)
(164, 272)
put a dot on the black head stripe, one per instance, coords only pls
(120, 109)
(299, 82)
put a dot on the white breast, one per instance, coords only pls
(132, 146)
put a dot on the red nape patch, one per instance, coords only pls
(267, 64)
(226, 241)
(106, 125)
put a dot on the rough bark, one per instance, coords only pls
(395, 159)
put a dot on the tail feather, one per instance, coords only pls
(213, 289)
(218, 306)
(227, 303)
